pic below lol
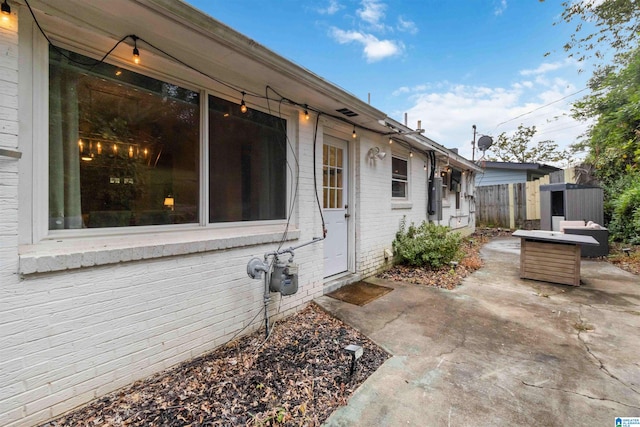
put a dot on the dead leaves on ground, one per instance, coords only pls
(298, 377)
(446, 277)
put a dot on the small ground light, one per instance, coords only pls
(627, 251)
(453, 264)
(356, 352)
(470, 243)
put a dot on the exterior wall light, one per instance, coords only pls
(6, 10)
(375, 153)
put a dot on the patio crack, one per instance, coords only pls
(386, 323)
(578, 394)
(455, 347)
(596, 358)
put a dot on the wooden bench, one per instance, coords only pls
(551, 256)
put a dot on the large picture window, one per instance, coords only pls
(124, 151)
(123, 147)
(247, 164)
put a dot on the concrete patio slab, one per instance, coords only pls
(500, 350)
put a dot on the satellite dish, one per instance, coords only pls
(485, 142)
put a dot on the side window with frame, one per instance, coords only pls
(399, 178)
(445, 176)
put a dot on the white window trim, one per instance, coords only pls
(43, 250)
(446, 193)
(407, 159)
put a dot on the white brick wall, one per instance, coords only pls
(12, 332)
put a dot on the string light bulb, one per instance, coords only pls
(6, 10)
(354, 135)
(390, 141)
(425, 166)
(243, 106)
(136, 52)
(410, 153)
(306, 113)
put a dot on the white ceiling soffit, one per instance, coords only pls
(207, 45)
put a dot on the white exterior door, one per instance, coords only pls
(334, 205)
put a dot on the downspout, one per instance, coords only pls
(431, 188)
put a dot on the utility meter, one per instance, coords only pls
(284, 278)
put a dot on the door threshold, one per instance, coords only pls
(335, 282)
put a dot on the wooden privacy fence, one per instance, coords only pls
(509, 205)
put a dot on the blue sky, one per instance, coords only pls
(451, 64)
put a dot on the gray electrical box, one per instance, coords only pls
(437, 200)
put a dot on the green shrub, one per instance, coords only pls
(625, 219)
(426, 245)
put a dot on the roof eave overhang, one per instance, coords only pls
(249, 48)
(420, 141)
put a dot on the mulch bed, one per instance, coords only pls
(629, 261)
(297, 377)
(447, 277)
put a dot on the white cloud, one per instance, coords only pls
(407, 26)
(374, 49)
(546, 67)
(372, 12)
(448, 111)
(369, 24)
(332, 8)
(500, 8)
(406, 89)
(401, 90)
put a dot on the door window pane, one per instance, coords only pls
(123, 147)
(332, 160)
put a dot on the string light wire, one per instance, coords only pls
(540, 108)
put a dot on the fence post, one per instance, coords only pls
(512, 214)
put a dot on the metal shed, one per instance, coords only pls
(570, 202)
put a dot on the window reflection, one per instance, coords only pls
(120, 145)
(247, 164)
